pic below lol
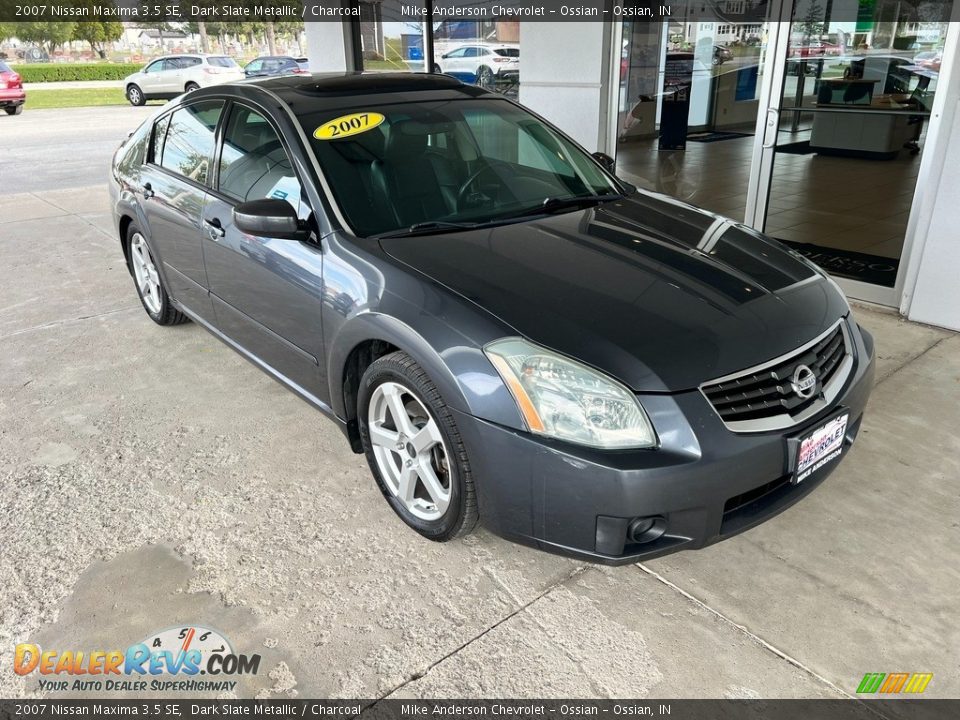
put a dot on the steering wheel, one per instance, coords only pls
(464, 192)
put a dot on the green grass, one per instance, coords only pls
(80, 97)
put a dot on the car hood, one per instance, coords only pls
(661, 295)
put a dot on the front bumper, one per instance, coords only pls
(705, 483)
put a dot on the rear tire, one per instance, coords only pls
(135, 96)
(485, 78)
(190, 87)
(14, 110)
(153, 295)
(415, 450)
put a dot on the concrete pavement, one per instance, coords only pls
(151, 478)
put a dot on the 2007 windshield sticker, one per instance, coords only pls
(347, 125)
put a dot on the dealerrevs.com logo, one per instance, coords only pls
(170, 660)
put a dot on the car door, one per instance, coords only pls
(267, 292)
(172, 81)
(151, 79)
(453, 62)
(254, 68)
(175, 179)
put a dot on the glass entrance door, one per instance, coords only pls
(690, 94)
(841, 141)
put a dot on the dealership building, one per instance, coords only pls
(834, 127)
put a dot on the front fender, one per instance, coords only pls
(462, 373)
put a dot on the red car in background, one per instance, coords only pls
(12, 95)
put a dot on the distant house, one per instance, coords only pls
(168, 38)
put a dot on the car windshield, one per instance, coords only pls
(449, 164)
(4, 67)
(222, 61)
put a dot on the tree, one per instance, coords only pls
(812, 24)
(271, 39)
(96, 32)
(49, 35)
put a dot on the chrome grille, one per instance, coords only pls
(763, 398)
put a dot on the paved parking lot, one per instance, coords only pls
(150, 478)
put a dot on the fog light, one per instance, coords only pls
(646, 529)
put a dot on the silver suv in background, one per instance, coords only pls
(173, 75)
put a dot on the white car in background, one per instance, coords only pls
(173, 75)
(484, 64)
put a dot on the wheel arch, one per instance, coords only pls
(465, 378)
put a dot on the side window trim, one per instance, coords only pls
(151, 159)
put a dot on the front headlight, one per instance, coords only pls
(567, 400)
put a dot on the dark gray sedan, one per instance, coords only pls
(511, 334)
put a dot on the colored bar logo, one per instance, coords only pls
(889, 683)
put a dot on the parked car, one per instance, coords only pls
(508, 332)
(930, 60)
(721, 54)
(271, 65)
(816, 48)
(12, 94)
(484, 64)
(173, 75)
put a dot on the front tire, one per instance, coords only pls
(414, 449)
(14, 110)
(190, 87)
(135, 96)
(147, 280)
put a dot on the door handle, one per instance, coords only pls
(148, 191)
(215, 229)
(772, 124)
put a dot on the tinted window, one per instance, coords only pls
(254, 165)
(476, 160)
(508, 52)
(471, 52)
(222, 61)
(189, 62)
(190, 140)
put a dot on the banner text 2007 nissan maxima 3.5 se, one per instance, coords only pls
(511, 334)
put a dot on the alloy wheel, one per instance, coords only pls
(134, 95)
(145, 273)
(409, 450)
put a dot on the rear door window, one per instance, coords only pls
(189, 143)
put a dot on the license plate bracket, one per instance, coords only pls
(817, 447)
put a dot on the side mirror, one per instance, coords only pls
(269, 218)
(609, 164)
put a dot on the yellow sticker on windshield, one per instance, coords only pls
(347, 125)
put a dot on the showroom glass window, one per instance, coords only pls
(485, 53)
(190, 140)
(253, 162)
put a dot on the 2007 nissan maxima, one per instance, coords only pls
(511, 334)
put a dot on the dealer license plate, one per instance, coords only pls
(820, 447)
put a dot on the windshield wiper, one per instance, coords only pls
(557, 204)
(424, 228)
